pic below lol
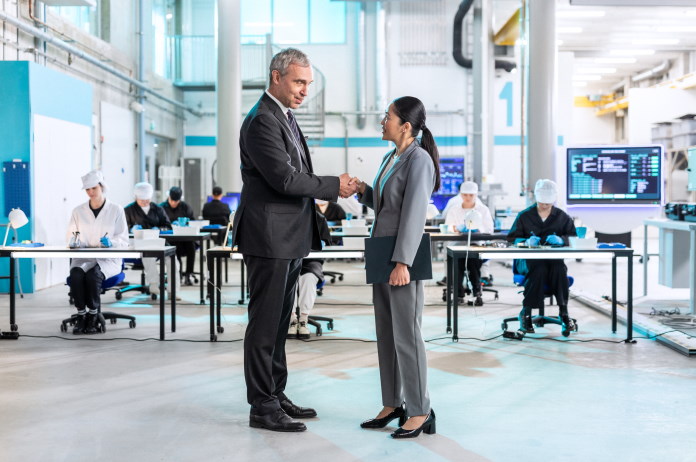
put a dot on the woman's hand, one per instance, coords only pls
(399, 275)
(360, 184)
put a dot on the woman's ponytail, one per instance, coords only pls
(428, 143)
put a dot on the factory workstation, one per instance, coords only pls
(348, 230)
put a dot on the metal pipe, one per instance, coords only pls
(360, 66)
(141, 96)
(84, 56)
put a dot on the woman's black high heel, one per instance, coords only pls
(399, 412)
(427, 427)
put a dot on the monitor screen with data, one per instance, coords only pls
(451, 176)
(231, 199)
(614, 175)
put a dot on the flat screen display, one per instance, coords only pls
(614, 175)
(231, 199)
(451, 177)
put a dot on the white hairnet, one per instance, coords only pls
(92, 179)
(468, 187)
(545, 191)
(143, 191)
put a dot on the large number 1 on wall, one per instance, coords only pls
(506, 94)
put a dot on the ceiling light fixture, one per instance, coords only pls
(655, 41)
(615, 60)
(581, 14)
(569, 30)
(636, 52)
(596, 70)
(587, 77)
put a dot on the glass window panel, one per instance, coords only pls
(84, 17)
(256, 20)
(327, 21)
(290, 21)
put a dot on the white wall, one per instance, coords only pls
(119, 163)
(61, 156)
(648, 106)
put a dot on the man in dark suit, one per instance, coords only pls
(274, 228)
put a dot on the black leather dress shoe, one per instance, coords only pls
(277, 421)
(427, 427)
(297, 412)
(399, 412)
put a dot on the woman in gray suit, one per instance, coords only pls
(399, 195)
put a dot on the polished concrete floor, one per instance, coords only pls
(112, 398)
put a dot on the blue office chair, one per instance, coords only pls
(314, 320)
(519, 279)
(111, 283)
(143, 288)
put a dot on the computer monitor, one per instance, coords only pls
(614, 175)
(451, 177)
(231, 199)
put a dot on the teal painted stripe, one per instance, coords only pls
(374, 142)
(200, 141)
(560, 140)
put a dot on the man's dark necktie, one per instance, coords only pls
(296, 131)
(293, 126)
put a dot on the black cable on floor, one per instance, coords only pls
(93, 339)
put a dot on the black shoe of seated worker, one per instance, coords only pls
(295, 411)
(187, 279)
(568, 325)
(277, 421)
(399, 412)
(427, 427)
(442, 282)
(79, 325)
(526, 325)
(90, 324)
(478, 301)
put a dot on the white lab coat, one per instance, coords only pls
(111, 220)
(457, 216)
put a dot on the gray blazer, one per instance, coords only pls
(400, 209)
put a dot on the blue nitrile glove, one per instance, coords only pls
(464, 229)
(533, 241)
(136, 227)
(552, 239)
(106, 242)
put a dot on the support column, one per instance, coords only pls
(482, 73)
(229, 95)
(541, 153)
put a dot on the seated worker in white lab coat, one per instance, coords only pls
(460, 217)
(96, 223)
(145, 214)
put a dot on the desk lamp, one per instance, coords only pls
(17, 219)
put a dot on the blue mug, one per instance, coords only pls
(183, 221)
(581, 231)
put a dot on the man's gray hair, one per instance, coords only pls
(284, 58)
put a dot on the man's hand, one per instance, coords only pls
(399, 275)
(348, 186)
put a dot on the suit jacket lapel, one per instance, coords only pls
(302, 148)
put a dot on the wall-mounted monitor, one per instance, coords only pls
(231, 199)
(451, 177)
(614, 175)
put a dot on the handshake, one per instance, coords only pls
(350, 185)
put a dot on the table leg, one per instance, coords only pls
(629, 302)
(161, 296)
(212, 291)
(242, 280)
(218, 277)
(455, 297)
(613, 293)
(201, 254)
(692, 269)
(13, 295)
(645, 260)
(448, 277)
(172, 282)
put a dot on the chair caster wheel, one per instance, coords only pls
(153, 296)
(13, 327)
(63, 327)
(330, 325)
(113, 321)
(131, 324)
(504, 326)
(496, 297)
(340, 278)
(220, 329)
(213, 338)
(119, 295)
